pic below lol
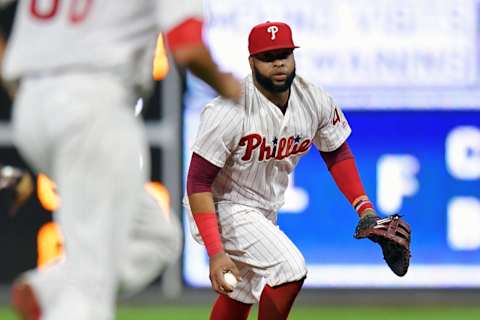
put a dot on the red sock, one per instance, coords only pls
(276, 302)
(226, 308)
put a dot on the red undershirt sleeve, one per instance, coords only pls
(201, 175)
(341, 165)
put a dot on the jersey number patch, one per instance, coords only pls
(336, 117)
(77, 12)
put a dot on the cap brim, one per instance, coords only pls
(272, 48)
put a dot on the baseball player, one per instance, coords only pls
(239, 170)
(81, 66)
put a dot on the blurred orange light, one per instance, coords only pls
(47, 194)
(160, 60)
(50, 244)
(161, 195)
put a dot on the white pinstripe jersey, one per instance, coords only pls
(257, 146)
(52, 35)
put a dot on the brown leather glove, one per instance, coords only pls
(393, 236)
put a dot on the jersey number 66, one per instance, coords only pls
(77, 11)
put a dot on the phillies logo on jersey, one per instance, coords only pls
(278, 150)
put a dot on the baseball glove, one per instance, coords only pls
(16, 186)
(393, 236)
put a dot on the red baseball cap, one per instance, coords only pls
(270, 36)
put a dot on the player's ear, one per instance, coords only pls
(250, 61)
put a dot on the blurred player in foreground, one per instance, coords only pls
(239, 170)
(81, 66)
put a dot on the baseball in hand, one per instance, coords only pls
(230, 279)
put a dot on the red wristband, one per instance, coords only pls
(207, 225)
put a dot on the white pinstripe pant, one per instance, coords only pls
(261, 251)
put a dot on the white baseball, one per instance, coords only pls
(230, 279)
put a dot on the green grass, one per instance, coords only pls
(299, 313)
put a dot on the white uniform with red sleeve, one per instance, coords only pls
(79, 63)
(257, 146)
(91, 35)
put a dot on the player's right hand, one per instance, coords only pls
(219, 265)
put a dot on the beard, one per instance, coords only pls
(268, 84)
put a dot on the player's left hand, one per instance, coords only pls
(393, 236)
(219, 265)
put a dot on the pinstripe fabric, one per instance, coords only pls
(262, 252)
(257, 146)
(258, 177)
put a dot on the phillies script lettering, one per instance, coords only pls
(278, 150)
